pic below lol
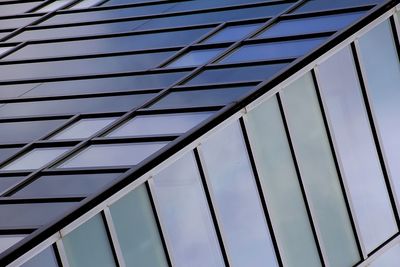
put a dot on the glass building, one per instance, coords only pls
(203, 133)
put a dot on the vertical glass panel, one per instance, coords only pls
(85, 4)
(281, 186)
(53, 6)
(318, 172)
(381, 67)
(46, 258)
(83, 128)
(160, 124)
(389, 258)
(196, 57)
(137, 230)
(184, 212)
(236, 200)
(88, 245)
(356, 148)
(36, 158)
(7, 241)
(232, 33)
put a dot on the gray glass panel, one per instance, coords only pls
(7, 182)
(16, 90)
(234, 192)
(160, 124)
(270, 51)
(122, 154)
(318, 172)
(355, 146)
(5, 153)
(6, 241)
(137, 230)
(35, 159)
(57, 4)
(194, 5)
(281, 186)
(88, 245)
(232, 33)
(196, 57)
(381, 67)
(184, 213)
(389, 258)
(85, 4)
(46, 258)
(10, 23)
(9, 9)
(83, 128)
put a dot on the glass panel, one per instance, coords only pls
(381, 67)
(88, 245)
(137, 230)
(316, 5)
(389, 258)
(7, 182)
(235, 197)
(160, 124)
(195, 58)
(5, 153)
(184, 212)
(9, 9)
(85, 4)
(281, 186)
(232, 33)
(46, 258)
(318, 172)
(122, 154)
(4, 50)
(7, 241)
(10, 23)
(271, 51)
(356, 149)
(54, 6)
(195, 5)
(200, 98)
(35, 159)
(83, 128)
(310, 25)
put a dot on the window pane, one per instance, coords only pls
(232, 33)
(5, 153)
(85, 4)
(316, 5)
(318, 172)
(83, 128)
(356, 148)
(137, 230)
(54, 6)
(310, 25)
(160, 124)
(9, 9)
(44, 258)
(389, 258)
(3, 50)
(10, 23)
(35, 159)
(281, 186)
(184, 212)
(7, 182)
(235, 197)
(270, 51)
(88, 245)
(122, 154)
(7, 241)
(381, 67)
(195, 58)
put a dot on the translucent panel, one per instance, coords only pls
(232, 33)
(310, 25)
(83, 128)
(66, 185)
(7, 241)
(234, 192)
(318, 172)
(389, 258)
(44, 258)
(54, 6)
(88, 245)
(35, 159)
(270, 51)
(361, 168)
(160, 124)
(317, 5)
(381, 67)
(7, 182)
(237, 74)
(200, 98)
(85, 4)
(184, 213)
(137, 230)
(195, 57)
(122, 154)
(281, 186)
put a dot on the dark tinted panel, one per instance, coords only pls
(198, 98)
(318, 5)
(7, 182)
(44, 258)
(31, 215)
(15, 22)
(5, 153)
(66, 185)
(224, 75)
(15, 9)
(107, 45)
(73, 106)
(26, 131)
(82, 66)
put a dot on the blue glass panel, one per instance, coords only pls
(7, 182)
(195, 58)
(232, 33)
(318, 5)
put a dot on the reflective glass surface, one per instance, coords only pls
(7, 241)
(54, 6)
(4, 50)
(137, 230)
(35, 159)
(160, 124)
(195, 58)
(232, 33)
(83, 128)
(10, 23)
(122, 154)
(389, 258)
(184, 213)
(44, 258)
(315, 5)
(5, 153)
(235, 197)
(7, 182)
(9, 9)
(85, 4)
